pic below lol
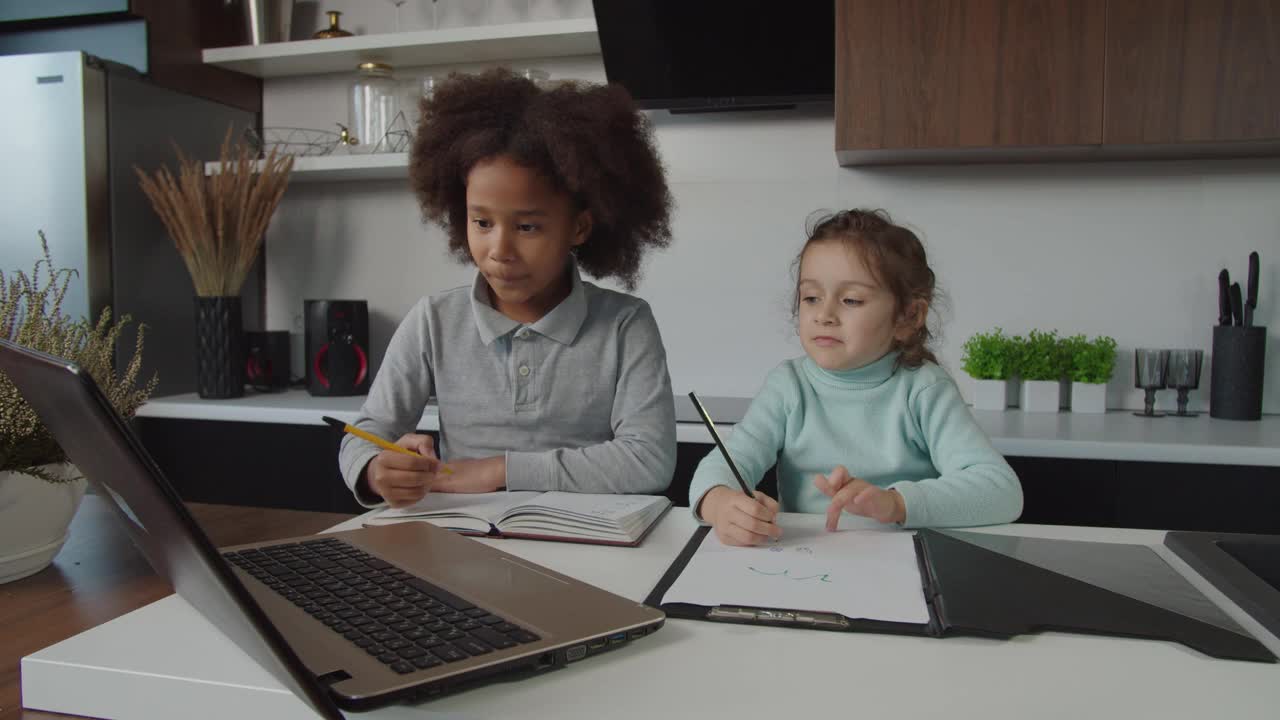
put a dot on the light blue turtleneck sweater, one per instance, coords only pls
(897, 428)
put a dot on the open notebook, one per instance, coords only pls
(567, 517)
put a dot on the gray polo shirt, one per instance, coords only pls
(578, 401)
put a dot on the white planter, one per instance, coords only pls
(1088, 397)
(993, 394)
(1041, 396)
(34, 516)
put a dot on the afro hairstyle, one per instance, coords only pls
(589, 140)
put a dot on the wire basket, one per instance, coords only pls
(299, 142)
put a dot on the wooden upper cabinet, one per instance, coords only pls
(177, 33)
(914, 76)
(1192, 71)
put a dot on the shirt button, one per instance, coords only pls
(524, 371)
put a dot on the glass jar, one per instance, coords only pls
(374, 110)
(415, 91)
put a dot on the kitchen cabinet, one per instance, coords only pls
(1192, 71)
(922, 75)
(995, 80)
(162, 39)
(295, 466)
(177, 33)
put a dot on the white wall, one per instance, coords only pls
(1130, 250)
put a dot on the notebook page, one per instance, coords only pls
(442, 507)
(597, 509)
(532, 520)
(861, 574)
(554, 527)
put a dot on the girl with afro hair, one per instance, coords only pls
(543, 381)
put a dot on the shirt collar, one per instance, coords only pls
(561, 324)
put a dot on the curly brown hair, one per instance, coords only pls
(896, 258)
(591, 141)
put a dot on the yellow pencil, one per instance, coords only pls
(384, 444)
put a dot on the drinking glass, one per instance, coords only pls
(1150, 370)
(397, 3)
(1184, 374)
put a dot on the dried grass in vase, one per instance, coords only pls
(218, 222)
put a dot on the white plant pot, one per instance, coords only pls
(1041, 396)
(992, 394)
(34, 516)
(1088, 397)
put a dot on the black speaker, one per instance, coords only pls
(337, 347)
(266, 366)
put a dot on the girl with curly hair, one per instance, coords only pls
(867, 395)
(543, 381)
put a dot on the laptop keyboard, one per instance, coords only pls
(402, 620)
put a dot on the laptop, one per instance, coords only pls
(348, 620)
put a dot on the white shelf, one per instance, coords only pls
(1116, 435)
(292, 407)
(332, 168)
(298, 407)
(484, 43)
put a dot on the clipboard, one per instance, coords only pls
(1000, 586)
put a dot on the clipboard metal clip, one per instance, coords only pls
(830, 621)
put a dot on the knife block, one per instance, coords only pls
(1235, 386)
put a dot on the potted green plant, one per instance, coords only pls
(989, 358)
(39, 489)
(1091, 364)
(1042, 364)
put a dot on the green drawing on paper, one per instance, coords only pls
(824, 577)
(805, 549)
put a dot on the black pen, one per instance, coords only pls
(706, 419)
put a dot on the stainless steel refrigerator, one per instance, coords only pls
(74, 128)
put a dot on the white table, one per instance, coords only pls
(704, 669)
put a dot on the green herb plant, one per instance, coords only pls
(990, 356)
(1042, 356)
(1091, 361)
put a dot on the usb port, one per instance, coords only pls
(616, 638)
(637, 633)
(597, 643)
(577, 652)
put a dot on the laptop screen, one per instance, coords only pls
(99, 442)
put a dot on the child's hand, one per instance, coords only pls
(404, 479)
(473, 476)
(859, 497)
(739, 520)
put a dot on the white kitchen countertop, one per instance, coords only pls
(1116, 435)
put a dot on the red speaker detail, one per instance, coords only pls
(266, 366)
(337, 339)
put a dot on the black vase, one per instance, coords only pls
(219, 347)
